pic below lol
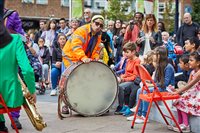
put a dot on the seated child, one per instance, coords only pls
(191, 45)
(103, 57)
(188, 103)
(184, 65)
(169, 45)
(44, 57)
(148, 64)
(57, 63)
(126, 80)
(119, 68)
(164, 76)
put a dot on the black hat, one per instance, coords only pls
(5, 37)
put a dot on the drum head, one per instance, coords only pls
(91, 89)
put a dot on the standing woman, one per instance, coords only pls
(148, 38)
(57, 62)
(119, 44)
(116, 33)
(117, 27)
(49, 36)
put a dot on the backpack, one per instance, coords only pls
(7, 13)
(171, 50)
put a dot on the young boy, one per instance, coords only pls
(126, 80)
(119, 68)
(169, 45)
(184, 65)
(191, 44)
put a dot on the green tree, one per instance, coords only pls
(195, 11)
(117, 10)
(168, 16)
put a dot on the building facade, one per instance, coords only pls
(31, 11)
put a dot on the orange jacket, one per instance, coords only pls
(75, 48)
(130, 70)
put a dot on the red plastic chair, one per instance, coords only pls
(7, 110)
(155, 96)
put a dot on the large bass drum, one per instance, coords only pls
(90, 89)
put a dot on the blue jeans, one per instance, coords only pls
(143, 107)
(45, 71)
(55, 75)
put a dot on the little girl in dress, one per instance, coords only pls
(189, 102)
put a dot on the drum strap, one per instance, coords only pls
(60, 100)
(62, 97)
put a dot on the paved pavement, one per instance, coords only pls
(108, 123)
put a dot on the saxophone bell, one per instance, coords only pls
(30, 108)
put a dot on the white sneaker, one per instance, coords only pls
(130, 118)
(185, 129)
(53, 92)
(170, 127)
(140, 120)
(133, 109)
(37, 85)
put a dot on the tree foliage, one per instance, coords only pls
(195, 11)
(168, 16)
(117, 10)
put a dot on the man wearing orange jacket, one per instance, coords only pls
(84, 44)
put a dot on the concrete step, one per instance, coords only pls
(156, 116)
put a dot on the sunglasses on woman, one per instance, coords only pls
(98, 24)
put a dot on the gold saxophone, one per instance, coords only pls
(30, 108)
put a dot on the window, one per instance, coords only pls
(87, 4)
(42, 2)
(28, 1)
(161, 7)
(64, 2)
(100, 5)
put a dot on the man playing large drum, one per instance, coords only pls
(83, 46)
(84, 43)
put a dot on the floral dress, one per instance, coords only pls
(189, 101)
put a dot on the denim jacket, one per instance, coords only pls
(169, 77)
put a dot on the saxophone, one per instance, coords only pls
(30, 108)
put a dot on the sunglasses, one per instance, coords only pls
(123, 27)
(98, 24)
(86, 12)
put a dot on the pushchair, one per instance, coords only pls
(39, 85)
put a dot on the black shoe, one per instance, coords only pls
(117, 111)
(17, 123)
(3, 128)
